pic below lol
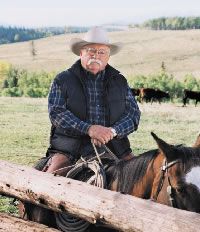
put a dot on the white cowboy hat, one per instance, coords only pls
(95, 35)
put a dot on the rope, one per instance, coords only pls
(111, 154)
(67, 222)
(96, 152)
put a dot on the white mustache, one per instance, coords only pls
(90, 61)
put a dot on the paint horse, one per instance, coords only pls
(169, 175)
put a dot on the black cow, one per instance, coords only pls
(150, 95)
(188, 94)
(135, 92)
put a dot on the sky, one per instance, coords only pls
(39, 13)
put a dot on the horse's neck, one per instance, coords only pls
(143, 187)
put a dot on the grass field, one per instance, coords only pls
(25, 128)
(143, 52)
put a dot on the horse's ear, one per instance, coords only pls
(167, 149)
(197, 143)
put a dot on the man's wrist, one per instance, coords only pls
(114, 132)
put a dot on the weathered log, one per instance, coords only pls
(123, 212)
(13, 224)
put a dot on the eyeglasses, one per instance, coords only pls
(93, 51)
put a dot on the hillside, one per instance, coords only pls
(143, 52)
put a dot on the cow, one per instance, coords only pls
(188, 94)
(135, 92)
(150, 95)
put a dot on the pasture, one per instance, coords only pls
(143, 52)
(25, 129)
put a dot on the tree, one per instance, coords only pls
(163, 67)
(33, 49)
(12, 77)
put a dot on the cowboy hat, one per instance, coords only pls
(96, 35)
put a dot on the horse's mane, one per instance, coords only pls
(189, 156)
(131, 171)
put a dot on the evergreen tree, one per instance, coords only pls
(173, 23)
(33, 49)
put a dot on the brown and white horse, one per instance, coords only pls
(169, 175)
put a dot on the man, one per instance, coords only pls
(90, 102)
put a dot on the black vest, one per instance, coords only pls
(74, 90)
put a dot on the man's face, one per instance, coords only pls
(94, 57)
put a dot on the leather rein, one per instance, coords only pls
(170, 189)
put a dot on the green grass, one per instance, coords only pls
(24, 130)
(171, 122)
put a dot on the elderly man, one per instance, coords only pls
(90, 102)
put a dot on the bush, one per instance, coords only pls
(162, 81)
(12, 92)
(24, 83)
(35, 92)
(191, 83)
(4, 67)
(17, 82)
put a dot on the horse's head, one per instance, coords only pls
(179, 179)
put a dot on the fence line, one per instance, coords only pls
(122, 212)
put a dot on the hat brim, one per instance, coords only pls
(77, 44)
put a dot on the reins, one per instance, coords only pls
(170, 190)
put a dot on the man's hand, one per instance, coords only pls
(96, 142)
(100, 134)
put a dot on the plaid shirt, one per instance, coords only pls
(96, 108)
(60, 116)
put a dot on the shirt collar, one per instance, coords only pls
(99, 75)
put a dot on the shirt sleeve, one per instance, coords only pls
(60, 116)
(129, 121)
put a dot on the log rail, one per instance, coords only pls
(122, 212)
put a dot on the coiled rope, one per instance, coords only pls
(67, 222)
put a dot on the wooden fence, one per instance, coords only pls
(14, 224)
(122, 212)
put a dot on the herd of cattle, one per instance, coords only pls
(151, 95)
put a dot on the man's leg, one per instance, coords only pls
(57, 161)
(39, 214)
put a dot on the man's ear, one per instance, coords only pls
(167, 149)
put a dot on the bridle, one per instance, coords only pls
(170, 189)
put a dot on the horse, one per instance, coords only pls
(165, 175)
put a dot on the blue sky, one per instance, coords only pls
(38, 13)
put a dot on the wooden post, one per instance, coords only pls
(123, 212)
(13, 224)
